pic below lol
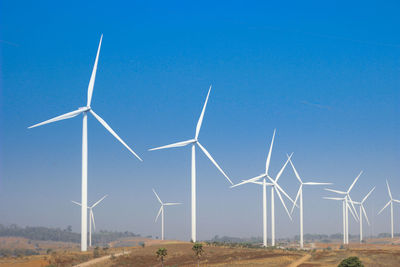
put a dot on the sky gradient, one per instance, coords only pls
(326, 76)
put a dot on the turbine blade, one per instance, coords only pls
(388, 187)
(93, 77)
(333, 198)
(283, 192)
(255, 182)
(77, 203)
(395, 200)
(178, 144)
(351, 211)
(158, 214)
(283, 203)
(354, 182)
(172, 204)
(365, 214)
(283, 168)
(295, 171)
(202, 115)
(315, 183)
(113, 133)
(249, 180)
(214, 162)
(100, 200)
(387, 204)
(59, 118)
(368, 195)
(352, 205)
(159, 200)
(297, 196)
(92, 215)
(269, 153)
(335, 191)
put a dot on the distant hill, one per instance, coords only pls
(307, 237)
(61, 235)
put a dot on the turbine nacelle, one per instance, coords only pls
(272, 182)
(195, 141)
(84, 109)
(162, 205)
(347, 194)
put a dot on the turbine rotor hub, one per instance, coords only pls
(85, 108)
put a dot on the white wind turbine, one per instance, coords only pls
(300, 196)
(84, 110)
(344, 204)
(195, 142)
(274, 187)
(348, 199)
(362, 211)
(91, 215)
(391, 207)
(162, 212)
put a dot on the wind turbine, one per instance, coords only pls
(300, 196)
(391, 207)
(195, 142)
(345, 214)
(348, 199)
(274, 187)
(84, 110)
(362, 211)
(162, 212)
(91, 215)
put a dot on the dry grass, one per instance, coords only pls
(181, 254)
(370, 255)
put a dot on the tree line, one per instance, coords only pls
(63, 235)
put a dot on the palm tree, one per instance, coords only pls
(161, 253)
(198, 250)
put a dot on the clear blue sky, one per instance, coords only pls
(325, 75)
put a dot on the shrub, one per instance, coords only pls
(161, 254)
(351, 262)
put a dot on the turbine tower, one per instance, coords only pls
(85, 110)
(344, 205)
(363, 212)
(274, 187)
(162, 212)
(195, 142)
(347, 200)
(391, 207)
(91, 215)
(300, 196)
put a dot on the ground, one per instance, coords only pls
(381, 253)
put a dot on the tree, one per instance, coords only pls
(351, 262)
(198, 250)
(161, 254)
(96, 252)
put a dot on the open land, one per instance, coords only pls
(380, 253)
